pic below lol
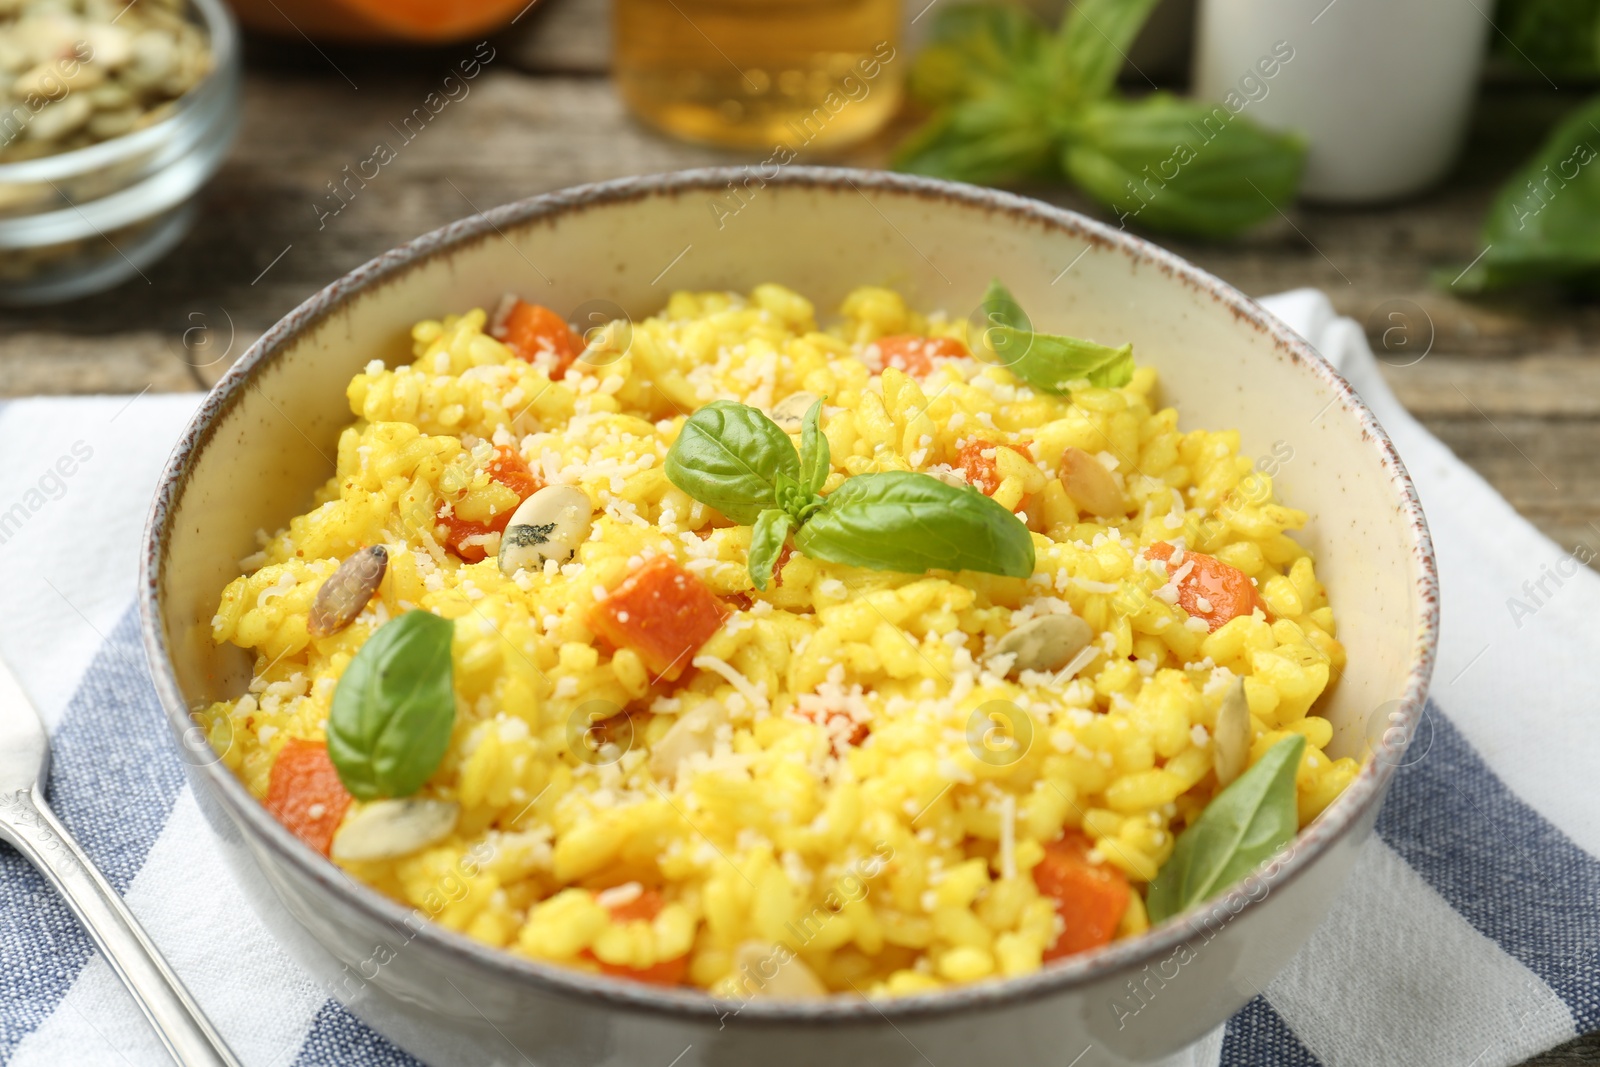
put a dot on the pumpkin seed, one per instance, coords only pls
(153, 56)
(389, 829)
(46, 33)
(108, 124)
(790, 412)
(1090, 485)
(13, 57)
(112, 45)
(776, 972)
(57, 120)
(550, 524)
(694, 732)
(113, 96)
(1230, 741)
(1045, 643)
(51, 80)
(344, 595)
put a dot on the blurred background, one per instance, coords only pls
(176, 176)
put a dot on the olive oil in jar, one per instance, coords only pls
(758, 73)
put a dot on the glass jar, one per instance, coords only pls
(83, 221)
(803, 74)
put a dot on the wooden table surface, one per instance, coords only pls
(1512, 387)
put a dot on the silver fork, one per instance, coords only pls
(27, 823)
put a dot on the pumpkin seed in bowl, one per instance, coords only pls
(77, 72)
(112, 116)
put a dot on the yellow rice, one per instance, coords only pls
(897, 866)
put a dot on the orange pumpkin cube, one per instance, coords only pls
(1090, 897)
(663, 613)
(646, 906)
(531, 330)
(1211, 591)
(981, 470)
(643, 908)
(666, 972)
(305, 793)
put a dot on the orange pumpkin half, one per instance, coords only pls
(358, 21)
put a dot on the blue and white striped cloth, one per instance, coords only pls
(1469, 933)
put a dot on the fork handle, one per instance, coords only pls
(28, 823)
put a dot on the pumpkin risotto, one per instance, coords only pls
(722, 650)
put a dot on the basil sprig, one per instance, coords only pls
(1047, 361)
(1243, 825)
(895, 521)
(394, 708)
(1013, 102)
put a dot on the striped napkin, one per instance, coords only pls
(1468, 935)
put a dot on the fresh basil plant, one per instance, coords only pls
(1244, 825)
(1013, 102)
(733, 458)
(394, 708)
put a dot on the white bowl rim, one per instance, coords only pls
(1339, 819)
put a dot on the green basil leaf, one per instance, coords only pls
(394, 708)
(1049, 362)
(1544, 225)
(1006, 324)
(1000, 308)
(972, 49)
(1009, 332)
(1004, 137)
(728, 456)
(1181, 165)
(1244, 825)
(815, 459)
(767, 539)
(1092, 44)
(913, 523)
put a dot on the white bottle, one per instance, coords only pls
(1380, 89)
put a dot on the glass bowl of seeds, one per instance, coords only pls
(113, 115)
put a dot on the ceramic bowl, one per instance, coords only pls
(265, 438)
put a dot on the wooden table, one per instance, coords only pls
(1513, 388)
